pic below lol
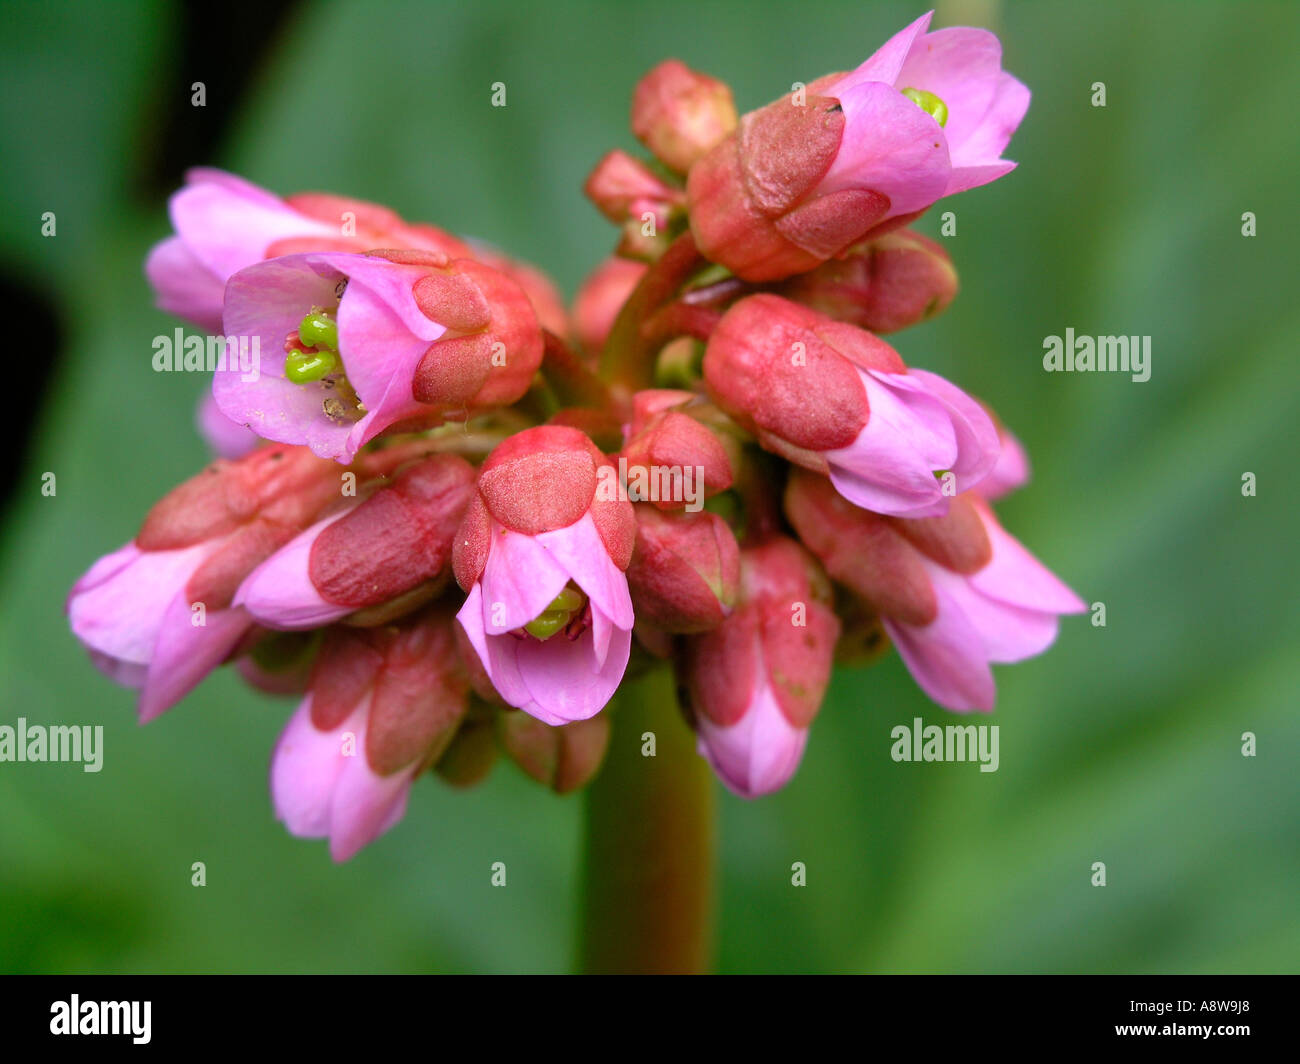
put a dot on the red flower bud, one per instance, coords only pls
(563, 758)
(679, 114)
(685, 570)
(885, 285)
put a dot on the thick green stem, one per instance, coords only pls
(648, 880)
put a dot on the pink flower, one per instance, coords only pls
(352, 345)
(382, 705)
(391, 551)
(542, 554)
(956, 593)
(158, 614)
(837, 400)
(756, 682)
(968, 108)
(224, 223)
(806, 177)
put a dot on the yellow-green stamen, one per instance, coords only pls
(319, 329)
(557, 615)
(929, 103)
(303, 367)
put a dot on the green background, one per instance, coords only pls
(1122, 744)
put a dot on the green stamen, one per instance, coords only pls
(547, 624)
(303, 367)
(929, 103)
(557, 615)
(319, 329)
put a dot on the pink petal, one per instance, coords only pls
(890, 467)
(229, 224)
(994, 131)
(279, 592)
(889, 146)
(946, 658)
(185, 653)
(364, 805)
(225, 438)
(1016, 577)
(1010, 472)
(579, 550)
(305, 768)
(563, 676)
(116, 609)
(758, 754)
(888, 59)
(962, 67)
(183, 285)
(978, 443)
(520, 579)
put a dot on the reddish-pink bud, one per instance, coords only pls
(685, 570)
(395, 540)
(563, 758)
(676, 452)
(625, 188)
(601, 297)
(536, 481)
(679, 114)
(494, 343)
(885, 285)
(792, 374)
(752, 199)
(286, 485)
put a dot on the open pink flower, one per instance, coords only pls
(804, 178)
(158, 614)
(382, 705)
(396, 337)
(956, 593)
(542, 554)
(964, 109)
(838, 400)
(224, 223)
(756, 681)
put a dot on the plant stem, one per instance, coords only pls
(648, 879)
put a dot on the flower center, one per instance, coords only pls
(559, 615)
(312, 354)
(929, 103)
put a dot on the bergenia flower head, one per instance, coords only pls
(927, 116)
(456, 523)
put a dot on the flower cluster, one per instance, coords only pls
(452, 516)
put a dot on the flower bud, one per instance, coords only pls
(685, 570)
(601, 297)
(679, 114)
(806, 177)
(393, 545)
(839, 401)
(674, 462)
(955, 593)
(563, 758)
(542, 554)
(383, 704)
(158, 614)
(756, 682)
(888, 284)
(624, 188)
